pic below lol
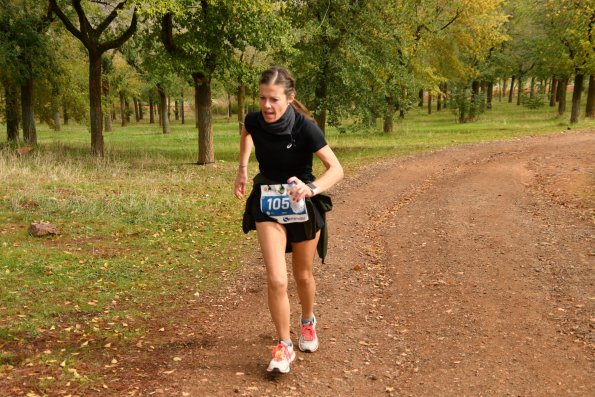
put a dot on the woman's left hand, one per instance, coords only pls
(240, 183)
(299, 190)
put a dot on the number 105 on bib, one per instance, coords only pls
(279, 205)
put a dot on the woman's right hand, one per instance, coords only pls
(240, 183)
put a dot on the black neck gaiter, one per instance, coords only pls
(283, 126)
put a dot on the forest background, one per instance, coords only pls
(122, 121)
(355, 61)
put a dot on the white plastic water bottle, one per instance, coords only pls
(296, 206)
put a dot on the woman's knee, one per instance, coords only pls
(277, 284)
(303, 276)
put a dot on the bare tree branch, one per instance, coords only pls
(46, 20)
(84, 23)
(69, 26)
(107, 21)
(123, 38)
(457, 14)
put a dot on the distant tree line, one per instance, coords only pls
(367, 60)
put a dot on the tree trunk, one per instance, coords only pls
(502, 90)
(56, 117)
(195, 107)
(542, 86)
(203, 100)
(65, 115)
(474, 108)
(228, 107)
(182, 106)
(176, 110)
(490, 94)
(164, 116)
(107, 122)
(27, 113)
(95, 113)
(439, 100)
(55, 107)
(481, 103)
(128, 112)
(168, 108)
(12, 111)
(159, 111)
(241, 104)
(387, 127)
(519, 91)
(510, 93)
(140, 110)
(576, 98)
(320, 119)
(532, 88)
(136, 114)
(590, 110)
(421, 98)
(462, 116)
(445, 97)
(321, 92)
(429, 102)
(553, 91)
(562, 85)
(105, 89)
(373, 119)
(151, 111)
(388, 116)
(122, 109)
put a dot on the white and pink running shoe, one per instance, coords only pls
(283, 356)
(308, 339)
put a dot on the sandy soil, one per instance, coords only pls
(464, 272)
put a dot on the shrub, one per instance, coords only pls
(538, 101)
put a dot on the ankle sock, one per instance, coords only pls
(308, 321)
(287, 343)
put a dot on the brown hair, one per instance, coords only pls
(278, 75)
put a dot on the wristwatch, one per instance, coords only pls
(313, 188)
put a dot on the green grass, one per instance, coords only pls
(422, 132)
(145, 229)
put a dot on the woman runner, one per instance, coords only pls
(286, 206)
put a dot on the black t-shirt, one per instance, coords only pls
(278, 162)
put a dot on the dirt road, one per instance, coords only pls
(464, 272)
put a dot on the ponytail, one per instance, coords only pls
(301, 109)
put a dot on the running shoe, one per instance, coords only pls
(308, 339)
(283, 355)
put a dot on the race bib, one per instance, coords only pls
(276, 202)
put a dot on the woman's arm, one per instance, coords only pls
(332, 175)
(246, 145)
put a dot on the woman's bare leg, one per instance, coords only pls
(272, 238)
(303, 263)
